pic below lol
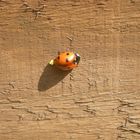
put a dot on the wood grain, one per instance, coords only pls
(99, 100)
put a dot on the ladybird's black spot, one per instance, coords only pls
(67, 60)
(58, 57)
(67, 53)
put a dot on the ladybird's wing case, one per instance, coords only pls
(71, 57)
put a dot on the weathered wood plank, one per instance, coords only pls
(99, 99)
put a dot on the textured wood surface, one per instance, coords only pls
(100, 100)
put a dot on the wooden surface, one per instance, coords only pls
(100, 100)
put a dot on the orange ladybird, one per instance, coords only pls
(66, 60)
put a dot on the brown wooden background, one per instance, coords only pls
(100, 100)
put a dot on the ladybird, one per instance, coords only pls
(66, 60)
